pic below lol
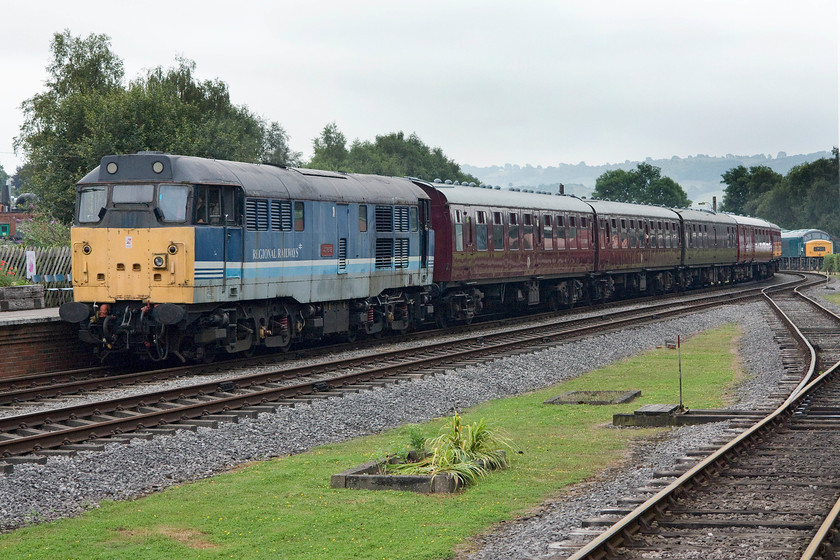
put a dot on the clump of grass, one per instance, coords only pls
(467, 452)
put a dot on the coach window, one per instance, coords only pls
(623, 234)
(172, 202)
(498, 232)
(513, 231)
(548, 233)
(614, 243)
(92, 201)
(585, 233)
(561, 232)
(299, 225)
(481, 230)
(363, 217)
(573, 233)
(528, 232)
(459, 230)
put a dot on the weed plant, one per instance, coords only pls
(467, 452)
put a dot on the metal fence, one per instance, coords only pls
(52, 266)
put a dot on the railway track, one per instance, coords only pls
(771, 492)
(75, 382)
(202, 404)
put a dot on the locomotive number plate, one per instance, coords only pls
(326, 249)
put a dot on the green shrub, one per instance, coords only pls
(466, 452)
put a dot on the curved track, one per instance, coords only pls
(772, 492)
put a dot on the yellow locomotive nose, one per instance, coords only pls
(112, 264)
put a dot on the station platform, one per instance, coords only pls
(38, 341)
(29, 316)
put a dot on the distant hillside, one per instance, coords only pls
(699, 175)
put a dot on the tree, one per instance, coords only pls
(807, 197)
(393, 154)
(644, 185)
(745, 186)
(330, 150)
(87, 113)
(276, 147)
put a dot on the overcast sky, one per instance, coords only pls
(489, 82)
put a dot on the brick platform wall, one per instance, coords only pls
(42, 347)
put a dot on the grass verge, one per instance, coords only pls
(284, 508)
(833, 298)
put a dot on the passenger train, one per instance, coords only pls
(191, 257)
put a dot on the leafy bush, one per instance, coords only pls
(43, 230)
(466, 452)
(831, 264)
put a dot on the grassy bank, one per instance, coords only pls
(284, 508)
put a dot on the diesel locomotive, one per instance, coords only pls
(191, 257)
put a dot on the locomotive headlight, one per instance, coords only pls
(159, 261)
(172, 249)
(87, 249)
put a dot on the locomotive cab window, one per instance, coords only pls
(172, 202)
(92, 201)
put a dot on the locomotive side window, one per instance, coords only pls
(92, 201)
(218, 206)
(412, 218)
(481, 230)
(172, 201)
(298, 216)
(498, 232)
(214, 205)
(363, 218)
(513, 231)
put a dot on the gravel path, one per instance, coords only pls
(68, 485)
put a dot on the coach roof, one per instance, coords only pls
(626, 209)
(480, 196)
(257, 180)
